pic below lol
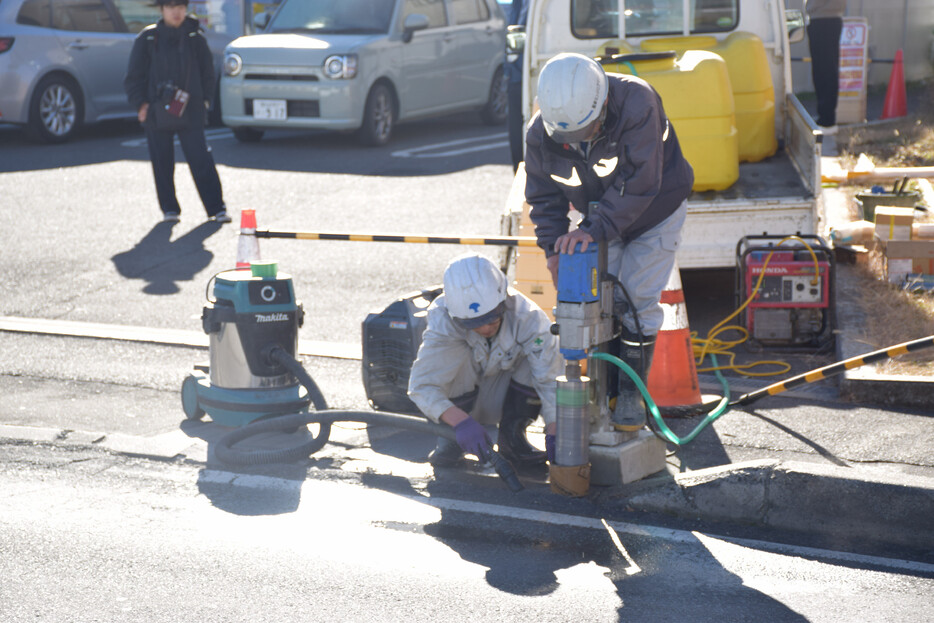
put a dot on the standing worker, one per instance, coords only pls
(487, 357)
(169, 81)
(825, 23)
(603, 145)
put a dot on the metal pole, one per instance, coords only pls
(508, 241)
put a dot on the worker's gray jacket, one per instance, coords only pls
(817, 9)
(634, 168)
(525, 332)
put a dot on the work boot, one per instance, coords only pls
(446, 453)
(520, 408)
(630, 410)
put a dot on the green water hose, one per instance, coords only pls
(724, 404)
(662, 429)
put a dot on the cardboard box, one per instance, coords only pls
(543, 293)
(894, 223)
(531, 265)
(908, 256)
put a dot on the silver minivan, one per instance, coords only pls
(365, 65)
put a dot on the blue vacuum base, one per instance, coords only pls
(237, 407)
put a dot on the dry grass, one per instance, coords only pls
(894, 316)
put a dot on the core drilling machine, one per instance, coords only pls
(586, 323)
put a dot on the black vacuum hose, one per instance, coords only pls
(324, 417)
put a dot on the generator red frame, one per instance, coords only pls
(788, 281)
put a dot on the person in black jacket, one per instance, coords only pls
(602, 144)
(171, 68)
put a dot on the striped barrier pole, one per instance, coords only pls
(835, 368)
(510, 241)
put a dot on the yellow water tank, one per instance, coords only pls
(695, 91)
(750, 80)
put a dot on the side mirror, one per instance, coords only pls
(795, 25)
(261, 20)
(515, 39)
(412, 23)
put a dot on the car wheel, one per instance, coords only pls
(379, 117)
(247, 135)
(55, 109)
(496, 108)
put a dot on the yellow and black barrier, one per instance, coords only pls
(835, 368)
(508, 241)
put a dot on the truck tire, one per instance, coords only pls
(379, 117)
(56, 109)
(497, 105)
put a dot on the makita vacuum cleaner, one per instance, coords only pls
(254, 382)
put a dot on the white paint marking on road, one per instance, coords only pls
(575, 521)
(632, 568)
(213, 134)
(429, 151)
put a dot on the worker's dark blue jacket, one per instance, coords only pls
(634, 168)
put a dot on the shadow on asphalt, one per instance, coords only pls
(426, 147)
(161, 262)
(533, 559)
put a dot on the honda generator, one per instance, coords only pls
(793, 305)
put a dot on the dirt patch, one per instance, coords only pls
(903, 142)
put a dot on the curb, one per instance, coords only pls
(830, 501)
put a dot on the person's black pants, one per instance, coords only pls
(195, 147)
(824, 42)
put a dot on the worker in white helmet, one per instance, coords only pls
(602, 144)
(487, 357)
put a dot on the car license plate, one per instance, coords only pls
(269, 109)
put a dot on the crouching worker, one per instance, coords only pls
(487, 357)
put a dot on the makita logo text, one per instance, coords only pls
(280, 317)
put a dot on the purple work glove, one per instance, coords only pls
(550, 448)
(473, 438)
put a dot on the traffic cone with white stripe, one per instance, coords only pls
(247, 244)
(673, 376)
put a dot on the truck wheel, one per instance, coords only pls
(247, 135)
(378, 117)
(190, 406)
(496, 108)
(55, 109)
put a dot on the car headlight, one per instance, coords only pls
(232, 64)
(341, 66)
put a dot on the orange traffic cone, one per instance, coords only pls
(673, 376)
(247, 244)
(895, 96)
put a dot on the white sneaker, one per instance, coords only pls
(829, 130)
(221, 217)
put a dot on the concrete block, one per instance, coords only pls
(627, 462)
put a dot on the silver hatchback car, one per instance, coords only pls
(62, 62)
(365, 65)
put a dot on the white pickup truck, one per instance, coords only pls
(775, 193)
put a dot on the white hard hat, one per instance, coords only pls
(572, 92)
(474, 290)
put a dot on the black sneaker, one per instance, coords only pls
(446, 455)
(171, 217)
(221, 217)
